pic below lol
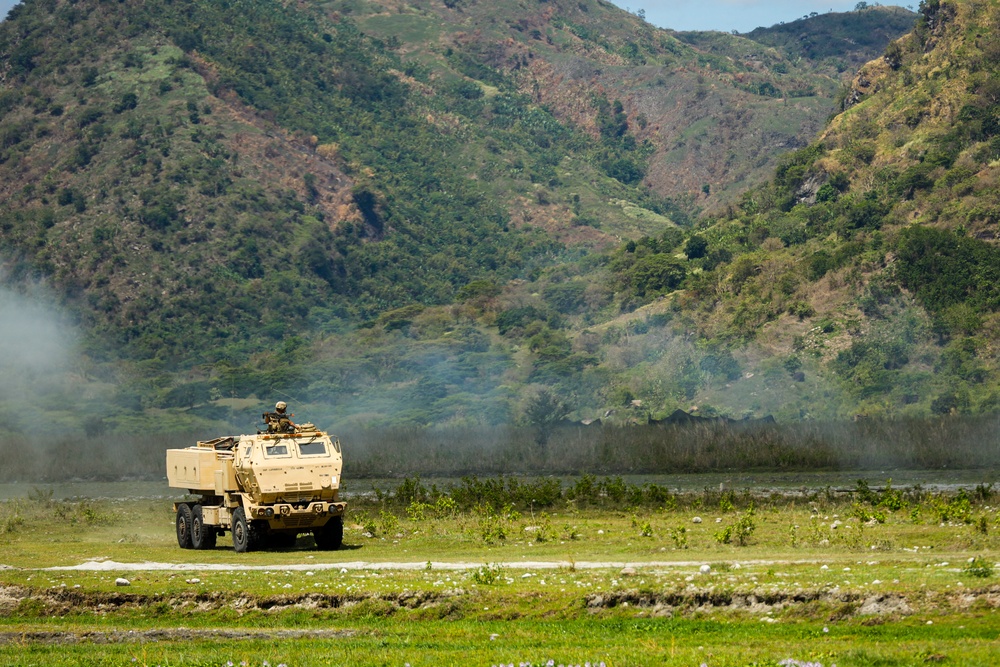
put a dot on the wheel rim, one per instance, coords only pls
(182, 527)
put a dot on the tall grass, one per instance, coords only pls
(910, 444)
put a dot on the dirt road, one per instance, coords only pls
(150, 566)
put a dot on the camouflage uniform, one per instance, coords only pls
(278, 421)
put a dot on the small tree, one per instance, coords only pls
(542, 410)
(696, 247)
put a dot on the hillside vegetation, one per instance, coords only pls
(870, 257)
(840, 39)
(478, 214)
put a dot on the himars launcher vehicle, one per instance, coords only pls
(265, 489)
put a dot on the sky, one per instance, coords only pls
(728, 15)
(724, 15)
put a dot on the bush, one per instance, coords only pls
(128, 101)
(566, 297)
(944, 269)
(741, 530)
(978, 567)
(913, 179)
(626, 170)
(656, 273)
(696, 247)
(488, 575)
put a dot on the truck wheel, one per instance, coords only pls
(331, 536)
(244, 532)
(184, 520)
(202, 536)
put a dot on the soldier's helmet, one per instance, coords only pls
(280, 406)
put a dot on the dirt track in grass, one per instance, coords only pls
(150, 566)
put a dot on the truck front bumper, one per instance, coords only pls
(282, 516)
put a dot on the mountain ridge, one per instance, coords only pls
(191, 182)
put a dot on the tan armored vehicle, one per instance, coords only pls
(265, 489)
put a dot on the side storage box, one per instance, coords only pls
(194, 469)
(225, 477)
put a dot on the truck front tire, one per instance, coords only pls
(202, 536)
(184, 521)
(244, 532)
(330, 536)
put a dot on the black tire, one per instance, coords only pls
(183, 523)
(330, 537)
(202, 536)
(244, 532)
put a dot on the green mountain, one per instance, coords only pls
(403, 212)
(841, 40)
(864, 275)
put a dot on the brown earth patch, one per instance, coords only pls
(19, 600)
(161, 634)
(844, 603)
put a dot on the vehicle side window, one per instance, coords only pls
(276, 450)
(315, 448)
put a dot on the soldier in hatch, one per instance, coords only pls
(279, 421)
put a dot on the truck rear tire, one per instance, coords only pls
(330, 537)
(202, 536)
(245, 535)
(184, 521)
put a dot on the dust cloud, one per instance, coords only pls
(44, 399)
(37, 346)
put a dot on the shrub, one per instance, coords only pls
(679, 537)
(128, 101)
(696, 247)
(626, 170)
(494, 526)
(741, 530)
(944, 269)
(388, 523)
(656, 273)
(978, 567)
(488, 575)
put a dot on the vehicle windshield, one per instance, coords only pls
(275, 450)
(312, 448)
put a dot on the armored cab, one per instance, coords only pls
(265, 489)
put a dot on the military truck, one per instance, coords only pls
(265, 489)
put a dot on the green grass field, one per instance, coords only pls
(872, 577)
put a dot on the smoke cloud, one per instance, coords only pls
(34, 337)
(38, 346)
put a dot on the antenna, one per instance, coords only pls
(288, 396)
